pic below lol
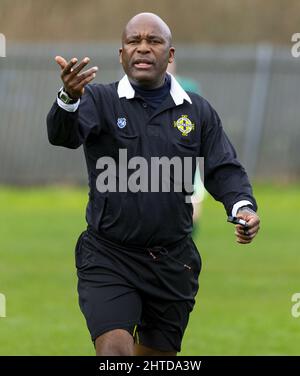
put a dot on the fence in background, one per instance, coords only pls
(255, 90)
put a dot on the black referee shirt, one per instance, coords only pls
(112, 117)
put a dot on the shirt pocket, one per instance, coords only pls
(130, 142)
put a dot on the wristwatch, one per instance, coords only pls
(65, 97)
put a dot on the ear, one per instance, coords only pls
(120, 55)
(171, 54)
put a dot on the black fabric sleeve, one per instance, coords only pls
(224, 177)
(71, 129)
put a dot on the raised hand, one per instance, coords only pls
(74, 81)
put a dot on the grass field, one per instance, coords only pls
(243, 305)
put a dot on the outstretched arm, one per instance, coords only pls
(70, 123)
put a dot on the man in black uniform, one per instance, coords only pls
(137, 264)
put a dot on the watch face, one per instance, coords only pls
(64, 97)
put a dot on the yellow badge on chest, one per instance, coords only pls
(184, 125)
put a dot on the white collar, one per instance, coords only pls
(176, 91)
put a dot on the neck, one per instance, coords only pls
(147, 85)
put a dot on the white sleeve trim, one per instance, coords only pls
(68, 107)
(238, 205)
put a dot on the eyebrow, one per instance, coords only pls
(153, 36)
(150, 36)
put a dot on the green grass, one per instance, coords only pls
(243, 306)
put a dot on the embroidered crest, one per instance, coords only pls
(184, 124)
(121, 123)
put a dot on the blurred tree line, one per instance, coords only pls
(214, 21)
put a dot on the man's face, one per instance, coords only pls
(146, 52)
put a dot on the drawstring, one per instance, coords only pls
(164, 252)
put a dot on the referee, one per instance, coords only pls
(137, 264)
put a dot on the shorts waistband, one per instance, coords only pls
(101, 238)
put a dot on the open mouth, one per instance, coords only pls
(142, 64)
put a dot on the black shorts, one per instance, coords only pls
(149, 292)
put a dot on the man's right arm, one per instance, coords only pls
(68, 124)
(70, 128)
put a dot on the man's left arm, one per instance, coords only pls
(225, 178)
